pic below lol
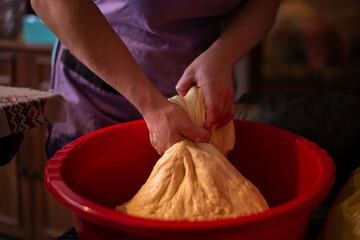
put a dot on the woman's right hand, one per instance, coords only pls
(168, 123)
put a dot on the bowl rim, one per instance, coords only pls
(111, 218)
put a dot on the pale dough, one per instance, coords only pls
(194, 181)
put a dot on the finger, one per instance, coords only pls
(161, 148)
(228, 110)
(210, 117)
(228, 117)
(184, 84)
(156, 144)
(224, 107)
(160, 151)
(196, 133)
(212, 102)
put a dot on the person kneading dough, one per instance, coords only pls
(195, 181)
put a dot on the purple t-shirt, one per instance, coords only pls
(163, 36)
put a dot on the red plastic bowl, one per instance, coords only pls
(105, 168)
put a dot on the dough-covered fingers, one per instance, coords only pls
(195, 133)
(169, 124)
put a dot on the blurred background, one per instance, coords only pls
(314, 46)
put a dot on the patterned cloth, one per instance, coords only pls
(22, 109)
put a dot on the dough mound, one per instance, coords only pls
(194, 181)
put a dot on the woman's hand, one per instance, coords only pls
(168, 123)
(212, 72)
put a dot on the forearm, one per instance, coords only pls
(251, 23)
(83, 29)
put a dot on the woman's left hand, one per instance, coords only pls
(212, 72)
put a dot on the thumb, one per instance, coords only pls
(184, 84)
(196, 133)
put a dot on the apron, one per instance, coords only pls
(164, 37)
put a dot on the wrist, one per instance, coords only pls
(152, 104)
(225, 53)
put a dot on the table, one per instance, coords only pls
(22, 109)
